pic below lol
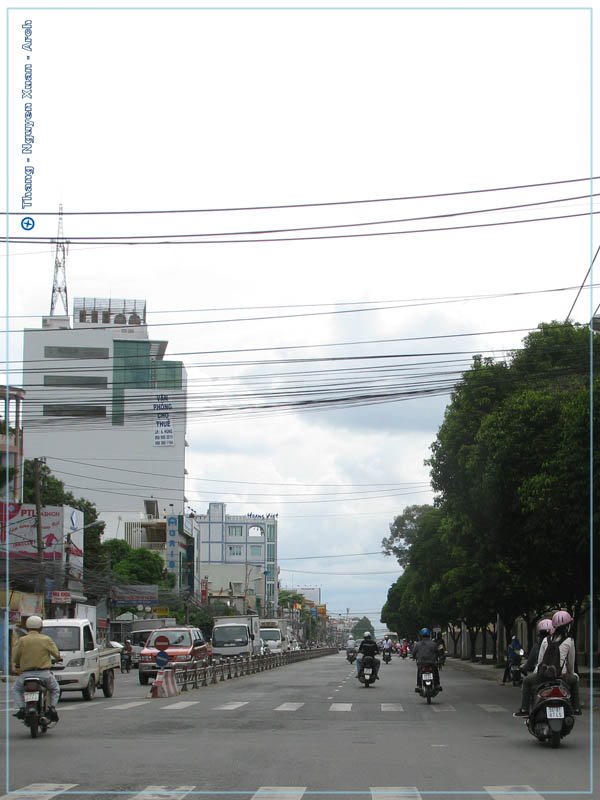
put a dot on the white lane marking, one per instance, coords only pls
(125, 706)
(340, 707)
(160, 792)
(392, 707)
(230, 706)
(181, 704)
(512, 793)
(492, 708)
(39, 791)
(279, 793)
(394, 793)
(442, 708)
(289, 707)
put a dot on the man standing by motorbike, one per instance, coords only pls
(33, 655)
(426, 652)
(368, 647)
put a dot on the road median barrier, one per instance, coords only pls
(182, 678)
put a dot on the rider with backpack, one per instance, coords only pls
(556, 659)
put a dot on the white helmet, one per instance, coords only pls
(34, 623)
(367, 634)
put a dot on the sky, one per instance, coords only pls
(348, 191)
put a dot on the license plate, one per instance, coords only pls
(367, 673)
(428, 677)
(30, 697)
(555, 713)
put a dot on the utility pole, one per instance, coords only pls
(39, 582)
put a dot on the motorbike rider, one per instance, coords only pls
(512, 657)
(424, 652)
(441, 647)
(368, 647)
(544, 628)
(561, 624)
(388, 645)
(127, 652)
(33, 655)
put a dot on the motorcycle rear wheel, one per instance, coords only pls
(33, 722)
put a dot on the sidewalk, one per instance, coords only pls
(489, 672)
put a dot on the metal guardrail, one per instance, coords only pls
(199, 675)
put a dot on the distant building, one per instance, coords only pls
(312, 593)
(11, 441)
(238, 556)
(108, 413)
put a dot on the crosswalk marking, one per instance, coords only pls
(230, 706)
(279, 793)
(492, 708)
(39, 791)
(160, 792)
(340, 707)
(392, 707)
(125, 706)
(397, 793)
(289, 707)
(442, 708)
(512, 793)
(181, 704)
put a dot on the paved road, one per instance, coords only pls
(307, 727)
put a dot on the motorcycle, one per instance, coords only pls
(351, 654)
(37, 706)
(551, 717)
(387, 656)
(427, 689)
(516, 674)
(367, 674)
(441, 661)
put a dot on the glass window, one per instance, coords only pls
(235, 549)
(84, 381)
(176, 638)
(256, 550)
(256, 530)
(235, 530)
(75, 352)
(270, 533)
(71, 410)
(65, 638)
(88, 639)
(270, 552)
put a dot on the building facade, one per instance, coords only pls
(247, 546)
(107, 411)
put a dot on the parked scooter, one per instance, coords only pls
(367, 674)
(551, 717)
(37, 705)
(428, 689)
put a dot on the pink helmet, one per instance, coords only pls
(561, 618)
(545, 626)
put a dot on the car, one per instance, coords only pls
(186, 646)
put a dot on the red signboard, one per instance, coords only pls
(61, 597)
(161, 642)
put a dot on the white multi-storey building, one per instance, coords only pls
(239, 552)
(108, 413)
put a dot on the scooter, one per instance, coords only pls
(515, 668)
(427, 689)
(387, 656)
(551, 717)
(37, 707)
(351, 654)
(367, 674)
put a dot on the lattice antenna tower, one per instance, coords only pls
(59, 285)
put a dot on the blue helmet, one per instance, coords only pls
(425, 632)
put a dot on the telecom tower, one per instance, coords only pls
(59, 285)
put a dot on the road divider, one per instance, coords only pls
(177, 678)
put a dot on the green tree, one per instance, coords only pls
(363, 624)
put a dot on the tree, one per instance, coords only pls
(363, 624)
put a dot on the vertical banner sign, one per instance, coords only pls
(203, 591)
(172, 537)
(163, 430)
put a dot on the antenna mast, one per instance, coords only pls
(59, 285)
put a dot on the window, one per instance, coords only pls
(255, 530)
(270, 533)
(73, 411)
(234, 549)
(270, 552)
(235, 530)
(88, 639)
(82, 381)
(94, 316)
(256, 550)
(236, 588)
(75, 352)
(82, 315)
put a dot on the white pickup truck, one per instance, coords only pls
(85, 666)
